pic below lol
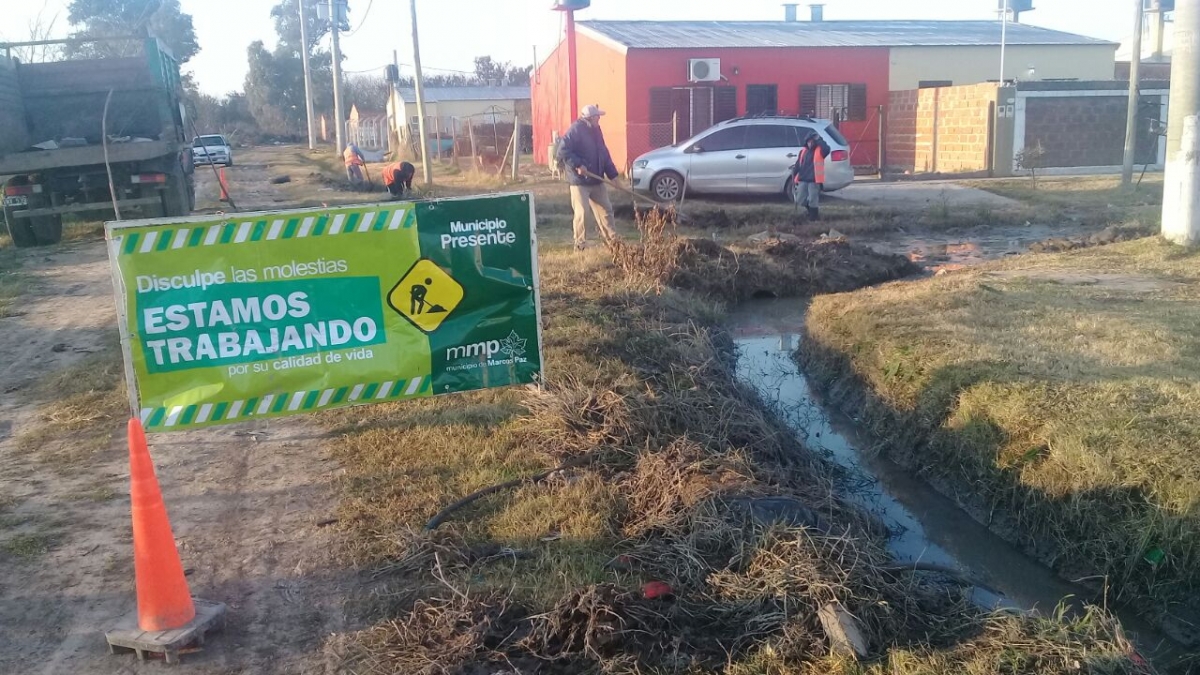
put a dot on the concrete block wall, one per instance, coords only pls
(943, 130)
(14, 135)
(1087, 131)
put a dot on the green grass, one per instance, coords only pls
(26, 546)
(12, 282)
(1057, 391)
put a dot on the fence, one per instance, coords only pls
(643, 138)
(369, 133)
(482, 141)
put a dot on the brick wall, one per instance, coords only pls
(13, 133)
(1088, 130)
(942, 130)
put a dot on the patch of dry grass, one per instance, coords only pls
(83, 407)
(547, 577)
(1057, 391)
(1078, 192)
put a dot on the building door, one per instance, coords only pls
(762, 99)
(719, 161)
(771, 150)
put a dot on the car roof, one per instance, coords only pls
(777, 119)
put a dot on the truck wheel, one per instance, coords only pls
(20, 231)
(178, 196)
(47, 229)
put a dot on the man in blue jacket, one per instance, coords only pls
(587, 160)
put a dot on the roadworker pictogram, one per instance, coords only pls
(426, 295)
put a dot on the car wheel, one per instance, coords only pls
(229, 163)
(667, 186)
(789, 190)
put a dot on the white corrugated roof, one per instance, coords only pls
(740, 34)
(436, 94)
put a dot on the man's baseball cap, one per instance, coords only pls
(591, 111)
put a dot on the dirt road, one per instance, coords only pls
(248, 503)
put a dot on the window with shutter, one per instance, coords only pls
(660, 105)
(858, 103)
(808, 100)
(724, 104)
(762, 99)
(839, 102)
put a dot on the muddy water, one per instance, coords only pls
(955, 250)
(926, 526)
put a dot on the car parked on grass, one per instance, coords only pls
(212, 149)
(747, 155)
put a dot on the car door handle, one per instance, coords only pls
(791, 155)
(739, 157)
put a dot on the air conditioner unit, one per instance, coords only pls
(704, 70)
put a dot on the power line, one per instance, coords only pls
(364, 19)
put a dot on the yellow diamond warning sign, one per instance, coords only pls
(426, 295)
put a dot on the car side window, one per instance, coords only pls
(733, 138)
(771, 136)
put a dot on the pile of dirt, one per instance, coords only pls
(1113, 234)
(770, 267)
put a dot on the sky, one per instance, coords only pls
(454, 32)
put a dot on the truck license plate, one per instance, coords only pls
(16, 201)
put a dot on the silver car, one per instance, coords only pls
(742, 156)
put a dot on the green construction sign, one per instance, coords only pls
(246, 316)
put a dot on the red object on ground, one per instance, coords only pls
(657, 590)
(163, 598)
(224, 185)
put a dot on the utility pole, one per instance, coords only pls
(1181, 190)
(1131, 116)
(423, 143)
(308, 99)
(1004, 38)
(339, 119)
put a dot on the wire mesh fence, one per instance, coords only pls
(646, 137)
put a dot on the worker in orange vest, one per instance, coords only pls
(809, 174)
(398, 178)
(354, 163)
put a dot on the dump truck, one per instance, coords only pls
(92, 136)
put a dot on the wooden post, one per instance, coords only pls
(882, 138)
(674, 127)
(516, 141)
(474, 148)
(437, 132)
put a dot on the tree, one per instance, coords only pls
(163, 19)
(368, 92)
(275, 81)
(489, 71)
(286, 15)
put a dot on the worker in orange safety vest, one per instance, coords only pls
(354, 164)
(809, 174)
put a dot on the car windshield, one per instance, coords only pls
(836, 135)
(210, 141)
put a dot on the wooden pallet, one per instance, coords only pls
(126, 637)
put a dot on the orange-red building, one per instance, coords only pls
(662, 81)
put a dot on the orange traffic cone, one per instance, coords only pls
(164, 601)
(224, 185)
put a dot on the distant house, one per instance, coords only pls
(663, 81)
(448, 109)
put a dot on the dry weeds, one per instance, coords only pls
(547, 577)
